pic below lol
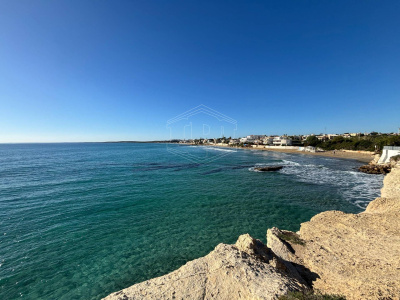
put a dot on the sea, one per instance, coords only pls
(83, 220)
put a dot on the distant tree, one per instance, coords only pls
(312, 140)
(338, 139)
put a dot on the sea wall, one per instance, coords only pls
(355, 255)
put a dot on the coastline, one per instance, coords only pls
(334, 253)
(359, 156)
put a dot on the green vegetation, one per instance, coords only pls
(292, 238)
(372, 142)
(310, 295)
(366, 143)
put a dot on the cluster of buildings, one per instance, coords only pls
(266, 140)
(296, 140)
(276, 140)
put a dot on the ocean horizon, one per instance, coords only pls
(82, 220)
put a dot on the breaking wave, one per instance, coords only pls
(356, 187)
(219, 149)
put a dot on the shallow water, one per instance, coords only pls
(79, 221)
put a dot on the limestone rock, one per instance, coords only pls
(228, 272)
(280, 247)
(251, 246)
(357, 255)
(383, 205)
(289, 248)
(391, 184)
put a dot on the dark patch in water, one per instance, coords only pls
(226, 168)
(212, 171)
(158, 166)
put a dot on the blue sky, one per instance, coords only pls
(118, 70)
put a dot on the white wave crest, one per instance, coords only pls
(219, 149)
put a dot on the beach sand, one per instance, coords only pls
(362, 157)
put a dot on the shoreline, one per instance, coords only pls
(361, 157)
(323, 256)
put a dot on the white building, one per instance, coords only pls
(331, 136)
(322, 137)
(282, 141)
(255, 137)
(268, 140)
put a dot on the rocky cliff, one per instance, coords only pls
(357, 256)
(246, 270)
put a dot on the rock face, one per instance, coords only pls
(391, 184)
(357, 255)
(241, 271)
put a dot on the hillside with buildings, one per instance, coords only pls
(346, 141)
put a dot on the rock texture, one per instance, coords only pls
(240, 271)
(375, 169)
(357, 255)
(391, 184)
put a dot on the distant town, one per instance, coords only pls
(352, 141)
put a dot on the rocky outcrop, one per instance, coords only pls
(391, 184)
(375, 169)
(355, 255)
(268, 168)
(242, 271)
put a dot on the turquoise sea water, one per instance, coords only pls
(79, 221)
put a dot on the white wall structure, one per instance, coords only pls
(387, 153)
(282, 141)
(269, 140)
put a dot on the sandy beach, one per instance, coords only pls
(360, 156)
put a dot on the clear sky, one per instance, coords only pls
(119, 70)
